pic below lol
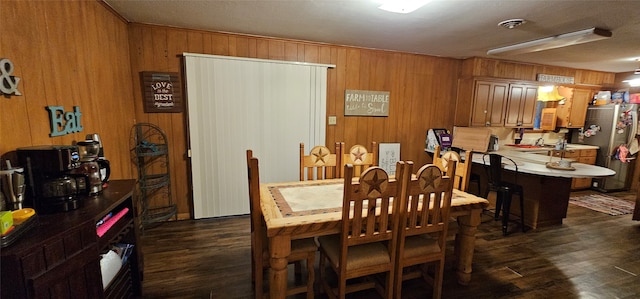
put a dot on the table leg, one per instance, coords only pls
(465, 243)
(280, 248)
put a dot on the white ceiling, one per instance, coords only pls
(447, 28)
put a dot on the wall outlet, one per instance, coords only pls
(332, 120)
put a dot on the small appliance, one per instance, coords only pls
(103, 163)
(51, 185)
(89, 167)
(12, 188)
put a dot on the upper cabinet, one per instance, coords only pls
(572, 112)
(488, 104)
(521, 107)
(495, 103)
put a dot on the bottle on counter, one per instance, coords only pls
(559, 144)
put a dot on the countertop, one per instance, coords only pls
(546, 148)
(529, 161)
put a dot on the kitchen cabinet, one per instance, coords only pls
(60, 257)
(572, 113)
(491, 102)
(585, 156)
(488, 103)
(521, 106)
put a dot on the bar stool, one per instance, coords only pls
(504, 190)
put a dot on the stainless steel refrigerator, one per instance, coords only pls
(617, 126)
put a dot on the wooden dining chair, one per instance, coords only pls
(320, 164)
(424, 220)
(301, 250)
(367, 242)
(462, 174)
(359, 156)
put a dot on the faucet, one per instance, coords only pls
(539, 142)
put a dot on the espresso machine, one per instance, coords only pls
(51, 183)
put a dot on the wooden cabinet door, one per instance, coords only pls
(521, 106)
(573, 113)
(579, 105)
(488, 103)
(586, 156)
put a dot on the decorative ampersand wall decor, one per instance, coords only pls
(8, 83)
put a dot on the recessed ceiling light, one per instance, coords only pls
(401, 6)
(512, 23)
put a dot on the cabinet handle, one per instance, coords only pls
(519, 124)
(487, 124)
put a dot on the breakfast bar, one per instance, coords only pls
(546, 190)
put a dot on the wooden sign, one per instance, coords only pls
(555, 79)
(162, 92)
(366, 103)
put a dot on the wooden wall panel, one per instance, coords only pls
(67, 53)
(428, 78)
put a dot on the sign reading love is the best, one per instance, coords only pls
(366, 103)
(161, 92)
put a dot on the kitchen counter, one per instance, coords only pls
(546, 190)
(533, 161)
(548, 147)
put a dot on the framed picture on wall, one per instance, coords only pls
(161, 92)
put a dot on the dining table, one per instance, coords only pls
(303, 209)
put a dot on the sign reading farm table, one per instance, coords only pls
(161, 92)
(366, 103)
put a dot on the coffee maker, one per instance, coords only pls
(51, 185)
(88, 152)
(103, 163)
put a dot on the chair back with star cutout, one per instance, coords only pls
(463, 168)
(369, 211)
(320, 164)
(359, 156)
(431, 188)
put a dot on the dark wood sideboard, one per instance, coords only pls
(60, 257)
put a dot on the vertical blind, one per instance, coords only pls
(235, 104)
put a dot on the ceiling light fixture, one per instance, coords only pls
(634, 80)
(401, 6)
(552, 42)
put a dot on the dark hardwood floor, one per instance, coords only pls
(591, 255)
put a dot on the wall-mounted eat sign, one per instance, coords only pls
(63, 123)
(162, 92)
